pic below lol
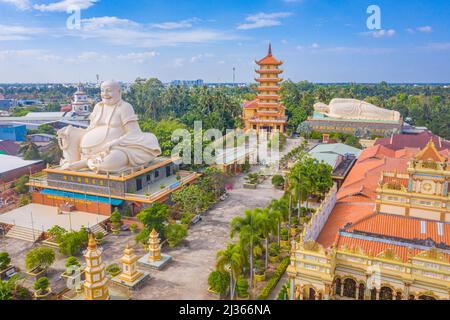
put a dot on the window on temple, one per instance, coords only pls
(349, 288)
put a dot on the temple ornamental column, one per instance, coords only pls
(291, 288)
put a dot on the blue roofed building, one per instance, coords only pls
(339, 156)
(13, 132)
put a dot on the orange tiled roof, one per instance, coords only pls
(402, 227)
(356, 197)
(342, 214)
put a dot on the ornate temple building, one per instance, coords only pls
(266, 112)
(354, 117)
(388, 236)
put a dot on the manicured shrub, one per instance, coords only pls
(72, 261)
(41, 284)
(175, 233)
(113, 269)
(219, 281)
(278, 180)
(273, 281)
(242, 287)
(133, 228)
(40, 256)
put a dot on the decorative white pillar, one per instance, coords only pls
(292, 289)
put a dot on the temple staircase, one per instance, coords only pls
(25, 234)
(98, 228)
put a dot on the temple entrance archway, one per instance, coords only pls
(350, 288)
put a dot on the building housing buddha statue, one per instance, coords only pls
(352, 109)
(113, 142)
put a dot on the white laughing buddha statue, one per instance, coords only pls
(113, 142)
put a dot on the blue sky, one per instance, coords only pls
(319, 41)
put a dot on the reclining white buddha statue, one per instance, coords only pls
(113, 142)
(353, 109)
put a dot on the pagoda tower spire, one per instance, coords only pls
(96, 283)
(266, 112)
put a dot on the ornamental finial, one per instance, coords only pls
(270, 48)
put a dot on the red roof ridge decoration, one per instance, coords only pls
(430, 153)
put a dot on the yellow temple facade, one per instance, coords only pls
(96, 282)
(421, 192)
(399, 252)
(266, 111)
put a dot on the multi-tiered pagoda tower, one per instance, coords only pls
(266, 112)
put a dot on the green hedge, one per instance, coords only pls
(281, 269)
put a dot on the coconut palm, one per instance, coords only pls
(230, 260)
(268, 222)
(280, 209)
(248, 229)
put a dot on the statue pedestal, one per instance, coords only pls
(136, 284)
(158, 265)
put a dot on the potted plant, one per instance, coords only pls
(38, 260)
(71, 262)
(99, 237)
(218, 283)
(252, 180)
(116, 221)
(260, 271)
(284, 237)
(113, 270)
(5, 266)
(278, 181)
(42, 288)
(274, 252)
(133, 228)
(242, 289)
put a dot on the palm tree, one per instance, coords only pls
(248, 229)
(230, 260)
(269, 222)
(280, 208)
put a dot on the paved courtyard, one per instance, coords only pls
(186, 276)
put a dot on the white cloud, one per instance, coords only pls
(105, 22)
(178, 62)
(262, 20)
(425, 29)
(437, 46)
(315, 46)
(200, 57)
(138, 57)
(12, 54)
(19, 4)
(17, 32)
(64, 5)
(129, 33)
(381, 33)
(90, 56)
(183, 24)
